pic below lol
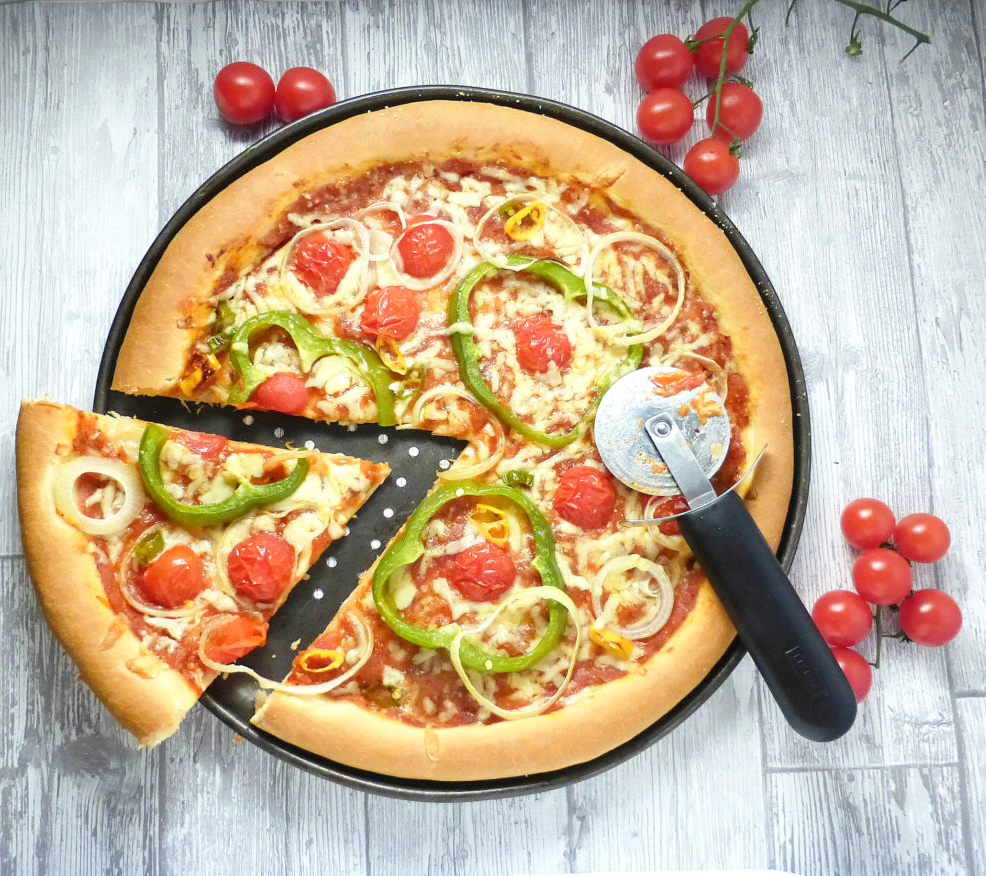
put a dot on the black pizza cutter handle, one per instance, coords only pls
(774, 625)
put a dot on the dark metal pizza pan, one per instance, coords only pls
(414, 457)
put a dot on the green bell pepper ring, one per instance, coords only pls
(467, 352)
(312, 345)
(409, 547)
(245, 497)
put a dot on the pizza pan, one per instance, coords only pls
(414, 457)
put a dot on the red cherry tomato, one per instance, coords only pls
(260, 567)
(211, 448)
(283, 391)
(711, 164)
(664, 116)
(174, 577)
(540, 342)
(922, 538)
(668, 508)
(300, 91)
(244, 93)
(425, 247)
(663, 62)
(320, 262)
(882, 576)
(391, 312)
(483, 572)
(585, 497)
(708, 56)
(930, 617)
(842, 617)
(867, 523)
(740, 112)
(238, 636)
(857, 670)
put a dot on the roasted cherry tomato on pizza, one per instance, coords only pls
(425, 246)
(320, 262)
(244, 93)
(211, 448)
(922, 538)
(260, 567)
(483, 572)
(664, 116)
(541, 343)
(391, 312)
(283, 391)
(239, 635)
(663, 62)
(174, 578)
(708, 55)
(585, 497)
(300, 91)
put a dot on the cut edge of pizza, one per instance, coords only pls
(148, 604)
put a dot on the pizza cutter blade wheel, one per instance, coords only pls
(664, 440)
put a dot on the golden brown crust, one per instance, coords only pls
(150, 703)
(597, 721)
(222, 235)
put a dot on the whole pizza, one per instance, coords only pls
(482, 272)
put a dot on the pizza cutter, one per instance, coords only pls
(662, 440)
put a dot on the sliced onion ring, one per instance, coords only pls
(304, 302)
(627, 563)
(612, 333)
(364, 645)
(499, 259)
(125, 475)
(531, 709)
(455, 256)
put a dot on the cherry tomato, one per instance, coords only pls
(740, 111)
(540, 342)
(922, 538)
(842, 617)
(483, 572)
(711, 164)
(425, 247)
(320, 262)
(867, 523)
(300, 91)
(930, 617)
(857, 670)
(668, 508)
(663, 62)
(174, 577)
(211, 448)
(882, 576)
(708, 56)
(664, 116)
(234, 638)
(283, 391)
(244, 93)
(260, 566)
(391, 312)
(585, 497)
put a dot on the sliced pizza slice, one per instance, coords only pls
(157, 554)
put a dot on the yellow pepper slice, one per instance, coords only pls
(316, 660)
(391, 355)
(496, 530)
(527, 222)
(190, 381)
(611, 642)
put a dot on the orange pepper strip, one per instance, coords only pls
(312, 660)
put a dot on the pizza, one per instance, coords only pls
(159, 555)
(483, 272)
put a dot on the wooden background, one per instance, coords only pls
(862, 193)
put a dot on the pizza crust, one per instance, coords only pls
(151, 702)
